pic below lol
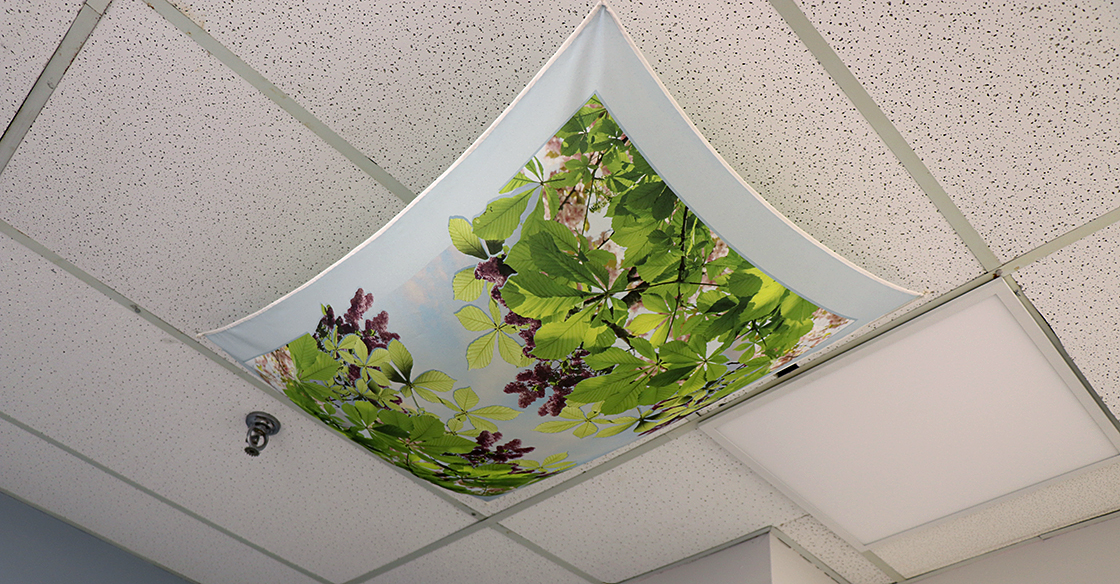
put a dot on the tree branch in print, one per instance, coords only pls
(629, 305)
(618, 308)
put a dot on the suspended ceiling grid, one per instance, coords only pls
(196, 161)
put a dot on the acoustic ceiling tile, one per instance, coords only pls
(52, 479)
(1009, 104)
(91, 374)
(833, 551)
(682, 498)
(413, 85)
(1012, 520)
(163, 174)
(480, 558)
(1075, 289)
(29, 33)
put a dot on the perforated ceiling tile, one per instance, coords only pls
(1013, 520)
(1076, 289)
(483, 557)
(50, 478)
(160, 172)
(766, 104)
(833, 551)
(29, 33)
(91, 374)
(1010, 104)
(677, 500)
(413, 85)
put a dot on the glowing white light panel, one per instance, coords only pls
(959, 407)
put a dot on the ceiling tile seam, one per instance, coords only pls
(810, 556)
(419, 552)
(540, 551)
(702, 554)
(68, 48)
(891, 137)
(668, 435)
(162, 499)
(1047, 330)
(1041, 537)
(95, 535)
(1067, 238)
(883, 565)
(493, 520)
(90, 280)
(219, 51)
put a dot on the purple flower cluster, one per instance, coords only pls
(528, 332)
(482, 454)
(374, 332)
(561, 376)
(493, 270)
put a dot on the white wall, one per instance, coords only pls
(1090, 555)
(762, 560)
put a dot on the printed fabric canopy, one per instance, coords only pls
(589, 271)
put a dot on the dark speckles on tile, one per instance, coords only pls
(682, 498)
(91, 374)
(169, 178)
(30, 31)
(413, 85)
(1012, 105)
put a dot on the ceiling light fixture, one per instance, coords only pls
(956, 409)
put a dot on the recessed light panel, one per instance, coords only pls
(959, 407)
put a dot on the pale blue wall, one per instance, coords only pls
(36, 548)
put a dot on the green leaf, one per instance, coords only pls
(481, 351)
(619, 426)
(555, 426)
(426, 395)
(519, 180)
(501, 217)
(622, 401)
(482, 423)
(512, 352)
(466, 398)
(402, 359)
(464, 239)
(434, 380)
(744, 284)
(353, 343)
(643, 323)
(466, 287)
(496, 412)
(323, 368)
(473, 319)
(795, 307)
(554, 458)
(368, 412)
(426, 427)
(597, 389)
(303, 351)
(663, 205)
(585, 430)
(447, 443)
(610, 357)
(378, 377)
(537, 296)
(556, 340)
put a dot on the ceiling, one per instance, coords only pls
(198, 159)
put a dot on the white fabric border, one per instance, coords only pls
(598, 59)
